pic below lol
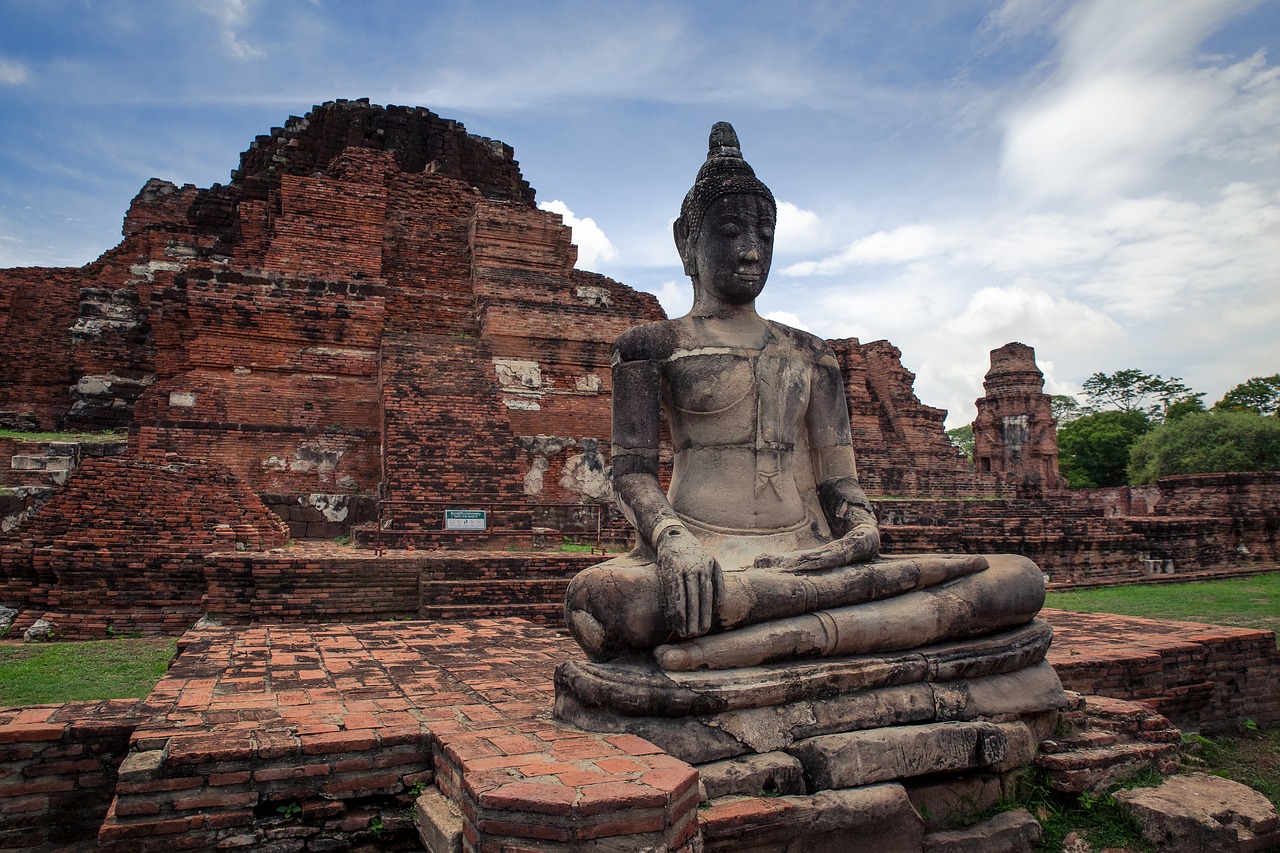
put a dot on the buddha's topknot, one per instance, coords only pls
(724, 173)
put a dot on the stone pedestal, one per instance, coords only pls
(817, 736)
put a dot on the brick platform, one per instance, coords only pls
(1203, 677)
(320, 737)
(278, 732)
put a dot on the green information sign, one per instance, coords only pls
(466, 519)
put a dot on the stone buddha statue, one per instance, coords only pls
(755, 616)
(764, 546)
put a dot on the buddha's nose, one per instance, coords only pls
(751, 255)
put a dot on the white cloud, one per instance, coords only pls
(676, 298)
(787, 318)
(1021, 311)
(593, 245)
(232, 16)
(12, 73)
(1128, 99)
(899, 245)
(799, 230)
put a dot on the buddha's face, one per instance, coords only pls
(734, 248)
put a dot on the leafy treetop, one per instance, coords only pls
(1260, 394)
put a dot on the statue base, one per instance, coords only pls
(716, 714)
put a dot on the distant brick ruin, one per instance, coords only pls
(372, 321)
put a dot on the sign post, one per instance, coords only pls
(466, 519)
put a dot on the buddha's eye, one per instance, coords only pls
(730, 229)
(766, 232)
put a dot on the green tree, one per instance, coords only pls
(1260, 394)
(1207, 442)
(1189, 405)
(1065, 408)
(1131, 390)
(962, 437)
(1093, 450)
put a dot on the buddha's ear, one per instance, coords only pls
(680, 229)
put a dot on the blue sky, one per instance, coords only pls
(1099, 179)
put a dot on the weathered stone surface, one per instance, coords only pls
(40, 631)
(947, 800)
(1198, 812)
(1106, 741)
(639, 688)
(768, 774)
(879, 817)
(899, 752)
(439, 822)
(705, 736)
(1008, 832)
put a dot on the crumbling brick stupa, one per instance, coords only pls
(373, 309)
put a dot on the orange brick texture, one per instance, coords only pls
(123, 545)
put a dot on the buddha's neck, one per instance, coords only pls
(738, 329)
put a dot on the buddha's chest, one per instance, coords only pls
(725, 397)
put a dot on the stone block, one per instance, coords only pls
(898, 752)
(439, 822)
(1202, 813)
(770, 774)
(947, 800)
(880, 817)
(1008, 832)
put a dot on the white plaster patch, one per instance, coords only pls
(587, 475)
(533, 479)
(517, 373)
(332, 507)
(275, 463)
(591, 383)
(596, 297)
(182, 399)
(241, 371)
(522, 404)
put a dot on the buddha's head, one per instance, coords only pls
(725, 230)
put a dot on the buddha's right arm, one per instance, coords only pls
(685, 570)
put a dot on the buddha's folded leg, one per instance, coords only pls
(615, 608)
(1009, 593)
(762, 595)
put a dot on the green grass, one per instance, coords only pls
(109, 435)
(33, 674)
(1252, 758)
(1252, 602)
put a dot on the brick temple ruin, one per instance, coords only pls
(371, 323)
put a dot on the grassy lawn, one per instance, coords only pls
(32, 674)
(1242, 602)
(109, 435)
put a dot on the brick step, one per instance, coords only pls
(1101, 766)
(467, 593)
(543, 613)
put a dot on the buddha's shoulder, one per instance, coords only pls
(647, 342)
(805, 342)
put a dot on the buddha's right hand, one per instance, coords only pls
(687, 575)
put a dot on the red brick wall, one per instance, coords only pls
(122, 545)
(58, 768)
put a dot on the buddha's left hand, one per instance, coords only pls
(857, 546)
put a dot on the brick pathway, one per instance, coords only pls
(251, 720)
